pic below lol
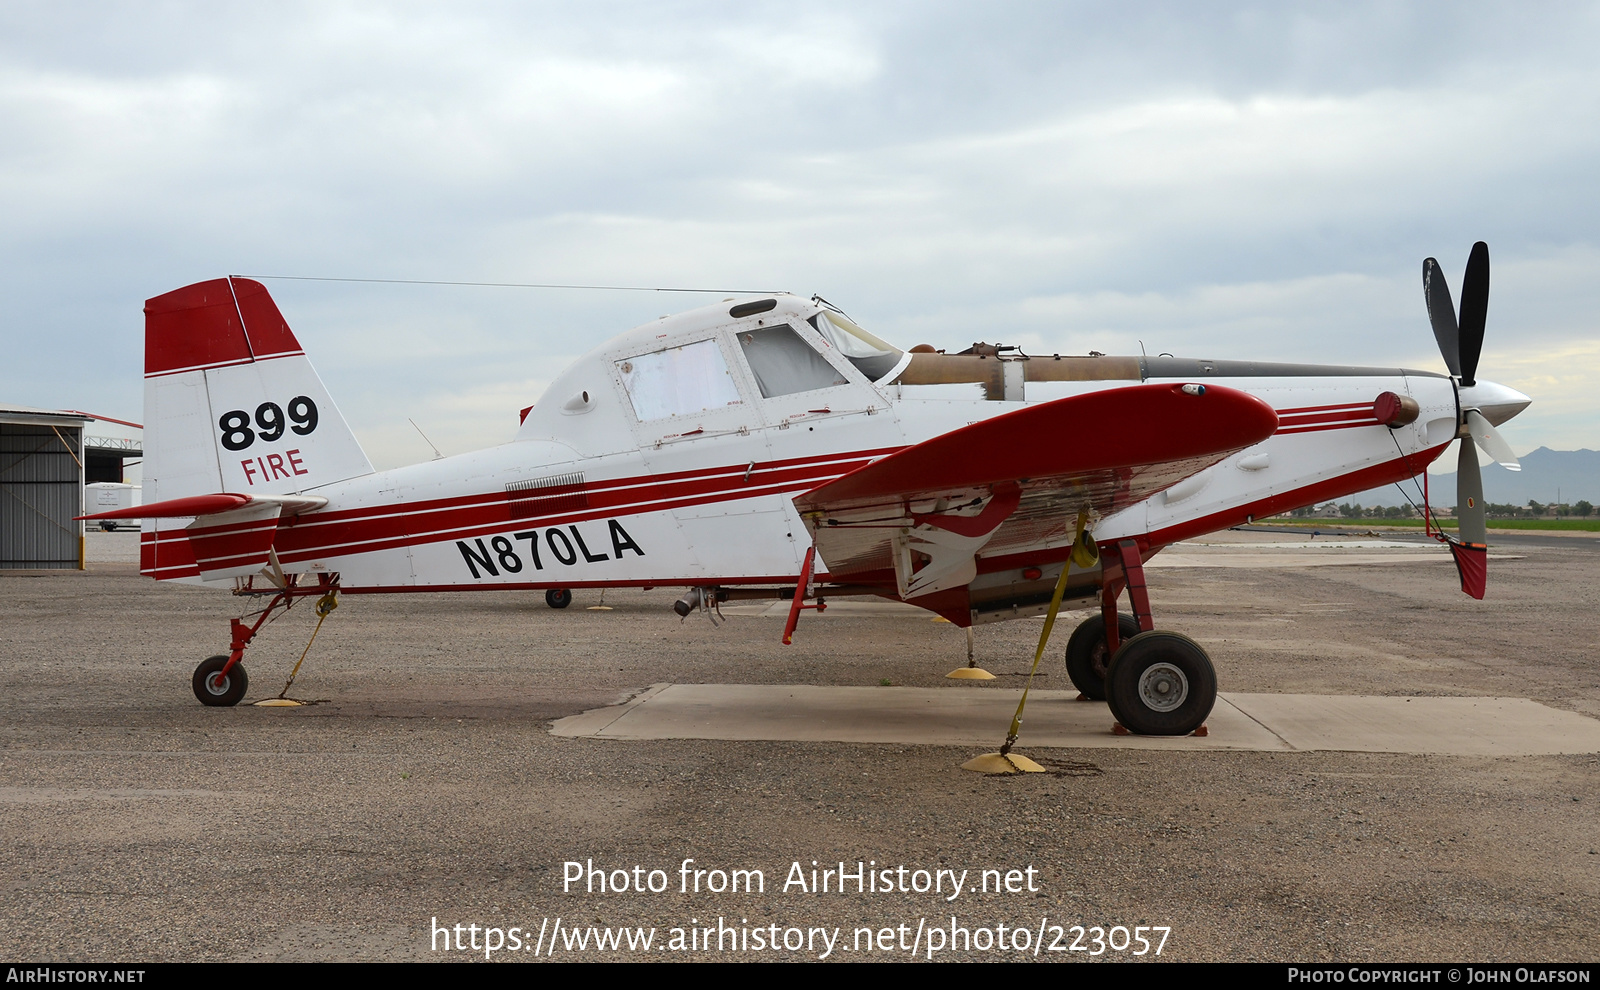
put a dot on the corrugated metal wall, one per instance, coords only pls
(40, 492)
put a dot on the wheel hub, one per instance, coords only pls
(217, 684)
(1163, 687)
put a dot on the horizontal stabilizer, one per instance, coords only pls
(205, 505)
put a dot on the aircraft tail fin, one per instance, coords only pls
(231, 402)
(231, 406)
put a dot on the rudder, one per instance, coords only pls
(232, 403)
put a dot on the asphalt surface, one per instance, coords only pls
(139, 826)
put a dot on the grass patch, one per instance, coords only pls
(1573, 525)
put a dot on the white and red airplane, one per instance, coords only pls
(770, 447)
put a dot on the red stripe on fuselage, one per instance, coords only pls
(1350, 415)
(409, 524)
(1326, 426)
(374, 528)
(1386, 473)
(1298, 410)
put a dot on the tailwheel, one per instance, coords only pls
(216, 689)
(1161, 684)
(558, 597)
(1088, 657)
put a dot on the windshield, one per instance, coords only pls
(783, 364)
(873, 357)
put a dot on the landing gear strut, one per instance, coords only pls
(221, 681)
(1156, 683)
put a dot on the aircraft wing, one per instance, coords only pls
(1018, 480)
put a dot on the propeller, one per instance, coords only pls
(1461, 344)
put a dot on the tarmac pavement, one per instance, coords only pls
(426, 787)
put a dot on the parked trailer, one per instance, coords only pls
(101, 496)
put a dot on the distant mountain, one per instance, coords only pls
(1575, 474)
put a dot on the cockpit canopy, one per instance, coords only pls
(694, 377)
(870, 354)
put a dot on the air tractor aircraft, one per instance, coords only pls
(769, 447)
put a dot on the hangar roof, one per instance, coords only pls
(12, 413)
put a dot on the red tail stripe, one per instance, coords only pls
(213, 324)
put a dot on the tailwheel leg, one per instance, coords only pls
(221, 681)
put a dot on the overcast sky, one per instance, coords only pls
(1249, 181)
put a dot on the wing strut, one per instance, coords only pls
(802, 589)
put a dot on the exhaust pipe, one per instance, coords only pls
(688, 603)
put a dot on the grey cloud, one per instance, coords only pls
(1259, 179)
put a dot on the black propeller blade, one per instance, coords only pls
(1474, 310)
(1460, 344)
(1442, 314)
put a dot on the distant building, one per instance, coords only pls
(46, 457)
(113, 449)
(41, 488)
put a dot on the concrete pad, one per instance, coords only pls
(921, 716)
(960, 716)
(1451, 726)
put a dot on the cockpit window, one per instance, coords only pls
(678, 381)
(871, 356)
(783, 364)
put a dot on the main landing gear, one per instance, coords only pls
(558, 597)
(1156, 683)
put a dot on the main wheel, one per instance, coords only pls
(1161, 684)
(558, 597)
(218, 691)
(1087, 656)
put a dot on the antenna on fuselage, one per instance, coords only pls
(414, 426)
(521, 285)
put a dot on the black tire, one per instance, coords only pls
(1087, 656)
(558, 597)
(1161, 684)
(224, 692)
